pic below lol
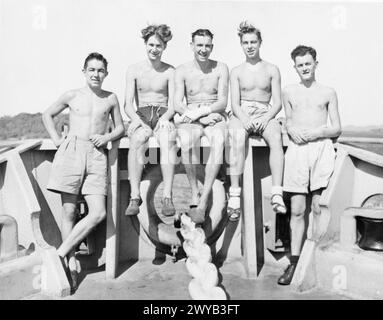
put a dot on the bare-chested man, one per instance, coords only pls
(253, 84)
(310, 155)
(151, 84)
(80, 163)
(204, 84)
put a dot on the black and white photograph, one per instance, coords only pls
(189, 151)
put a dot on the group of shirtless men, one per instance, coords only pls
(188, 102)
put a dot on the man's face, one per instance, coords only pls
(154, 48)
(95, 73)
(305, 66)
(202, 47)
(250, 44)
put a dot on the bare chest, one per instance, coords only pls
(255, 80)
(197, 83)
(304, 102)
(90, 107)
(152, 82)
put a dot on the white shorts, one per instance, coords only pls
(308, 166)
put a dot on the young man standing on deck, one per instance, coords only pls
(80, 163)
(151, 84)
(310, 155)
(204, 84)
(253, 84)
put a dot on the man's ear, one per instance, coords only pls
(106, 73)
(191, 45)
(83, 70)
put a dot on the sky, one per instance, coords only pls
(43, 44)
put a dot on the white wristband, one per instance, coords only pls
(206, 110)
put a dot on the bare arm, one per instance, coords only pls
(294, 133)
(179, 91)
(335, 128)
(100, 140)
(57, 107)
(275, 92)
(170, 112)
(223, 84)
(331, 131)
(129, 95)
(236, 97)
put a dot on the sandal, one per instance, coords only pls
(234, 214)
(278, 206)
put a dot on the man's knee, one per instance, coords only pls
(96, 217)
(69, 212)
(315, 208)
(298, 209)
(139, 139)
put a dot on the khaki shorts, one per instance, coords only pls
(309, 165)
(79, 166)
(255, 110)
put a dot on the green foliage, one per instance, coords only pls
(28, 126)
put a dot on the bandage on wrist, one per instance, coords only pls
(205, 110)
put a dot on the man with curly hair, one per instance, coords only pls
(253, 84)
(204, 84)
(150, 85)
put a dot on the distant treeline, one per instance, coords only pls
(28, 126)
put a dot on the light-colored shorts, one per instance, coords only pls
(254, 109)
(309, 165)
(79, 166)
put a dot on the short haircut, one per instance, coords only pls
(161, 31)
(97, 56)
(303, 50)
(247, 27)
(203, 33)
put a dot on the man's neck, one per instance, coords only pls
(155, 64)
(95, 90)
(254, 60)
(309, 82)
(203, 65)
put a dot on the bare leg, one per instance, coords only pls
(317, 229)
(273, 137)
(237, 145)
(97, 212)
(190, 135)
(69, 202)
(217, 136)
(136, 160)
(168, 160)
(297, 222)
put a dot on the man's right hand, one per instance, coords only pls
(248, 124)
(58, 142)
(135, 125)
(296, 135)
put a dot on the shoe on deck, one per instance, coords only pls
(168, 207)
(133, 208)
(197, 215)
(286, 278)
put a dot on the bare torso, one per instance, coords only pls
(201, 87)
(309, 106)
(255, 81)
(151, 85)
(89, 113)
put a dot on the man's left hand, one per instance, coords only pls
(311, 134)
(99, 140)
(164, 124)
(260, 124)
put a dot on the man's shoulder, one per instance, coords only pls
(222, 66)
(73, 93)
(270, 67)
(326, 89)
